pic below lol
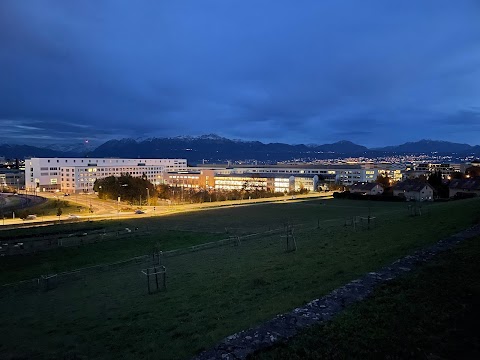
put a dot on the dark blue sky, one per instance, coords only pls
(374, 72)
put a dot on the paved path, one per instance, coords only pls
(285, 326)
(108, 209)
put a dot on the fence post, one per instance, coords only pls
(148, 280)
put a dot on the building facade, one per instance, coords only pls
(366, 188)
(464, 186)
(279, 183)
(203, 179)
(342, 173)
(71, 175)
(446, 169)
(12, 179)
(414, 190)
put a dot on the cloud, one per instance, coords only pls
(267, 70)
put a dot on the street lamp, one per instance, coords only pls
(118, 202)
(148, 196)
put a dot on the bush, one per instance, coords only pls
(463, 195)
(357, 196)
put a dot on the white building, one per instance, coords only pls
(71, 175)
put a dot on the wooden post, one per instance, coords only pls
(156, 276)
(164, 278)
(148, 280)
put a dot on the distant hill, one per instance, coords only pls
(342, 147)
(24, 151)
(427, 146)
(80, 149)
(215, 148)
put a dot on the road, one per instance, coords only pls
(110, 209)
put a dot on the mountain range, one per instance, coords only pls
(214, 148)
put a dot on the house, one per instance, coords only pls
(412, 189)
(465, 186)
(366, 188)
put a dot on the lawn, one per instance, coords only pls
(50, 207)
(170, 232)
(431, 314)
(211, 293)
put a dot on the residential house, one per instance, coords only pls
(366, 188)
(415, 190)
(466, 186)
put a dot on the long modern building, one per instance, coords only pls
(345, 174)
(72, 175)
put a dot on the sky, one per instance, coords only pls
(374, 72)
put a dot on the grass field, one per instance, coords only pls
(431, 314)
(37, 206)
(211, 293)
(50, 207)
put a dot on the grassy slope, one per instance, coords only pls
(50, 207)
(216, 292)
(431, 314)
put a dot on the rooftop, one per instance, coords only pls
(411, 185)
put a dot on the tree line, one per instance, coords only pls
(134, 190)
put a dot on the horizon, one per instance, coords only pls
(139, 140)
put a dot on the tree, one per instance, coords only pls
(457, 175)
(59, 213)
(383, 180)
(473, 171)
(127, 187)
(436, 181)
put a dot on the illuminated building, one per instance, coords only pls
(72, 175)
(266, 181)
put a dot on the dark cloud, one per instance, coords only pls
(374, 72)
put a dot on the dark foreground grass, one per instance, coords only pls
(219, 291)
(431, 314)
